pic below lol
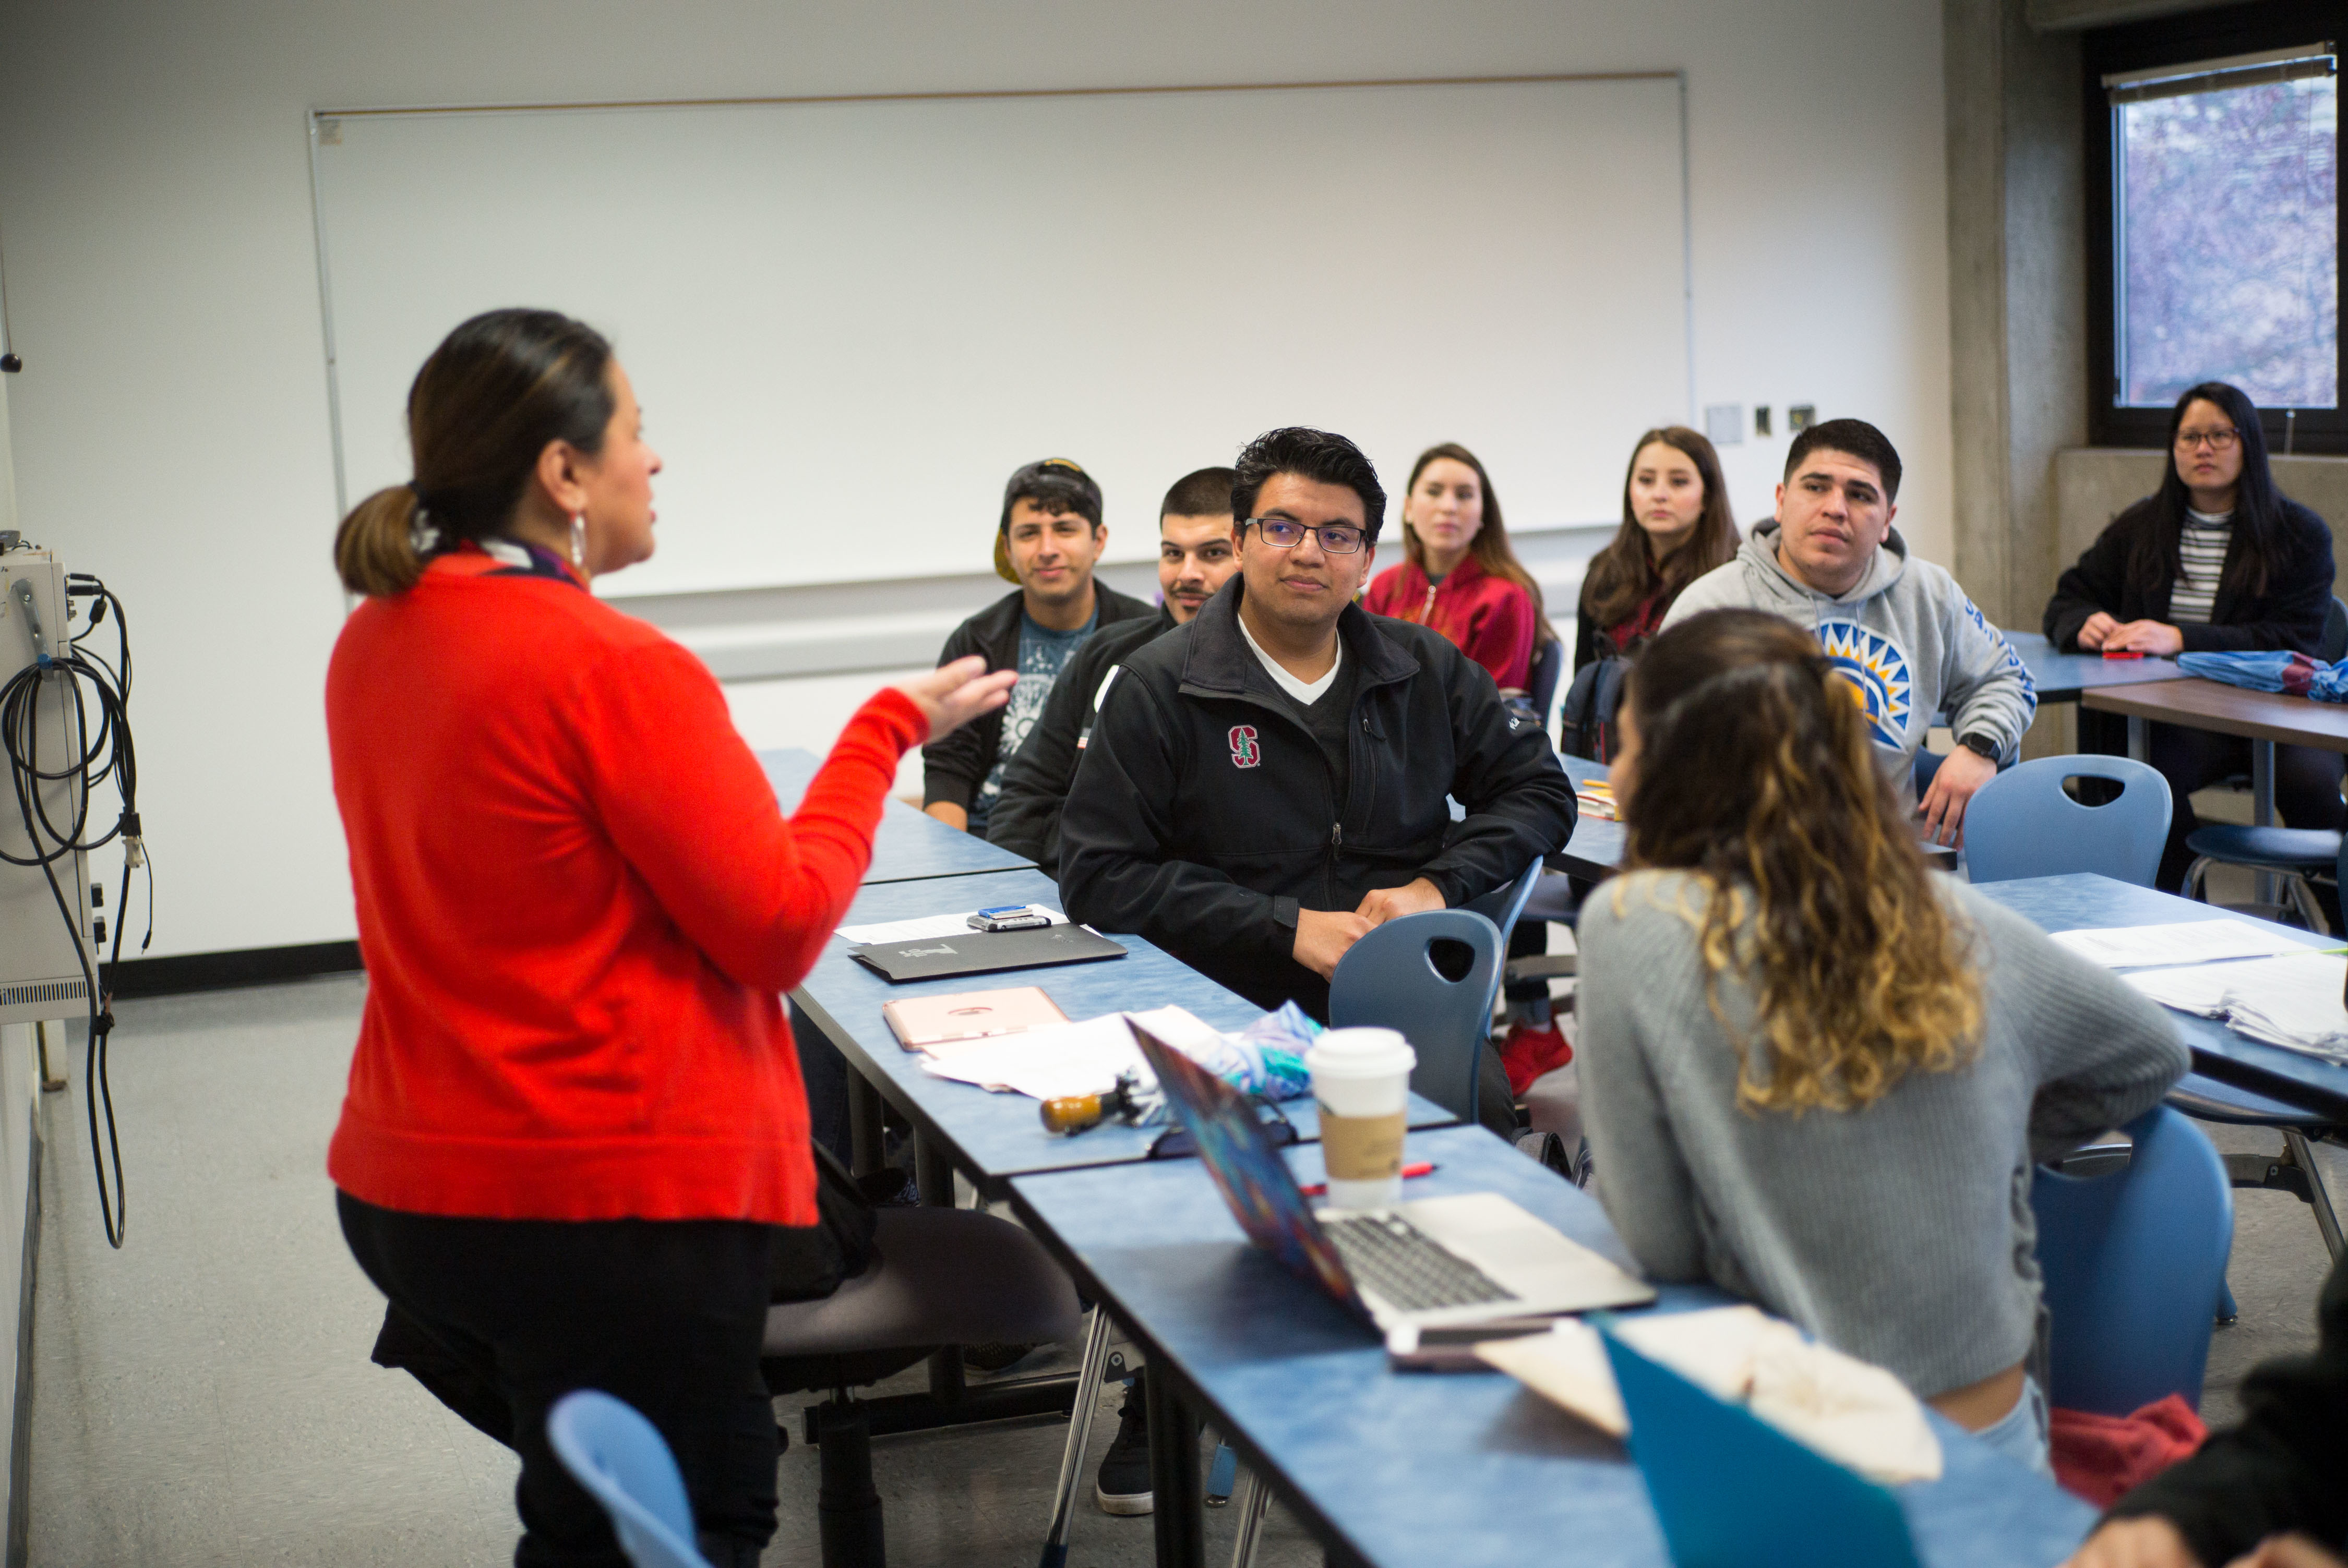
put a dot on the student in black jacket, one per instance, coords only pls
(2261, 1494)
(1048, 538)
(2216, 559)
(1267, 783)
(1196, 555)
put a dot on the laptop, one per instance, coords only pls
(921, 1022)
(984, 952)
(1733, 1492)
(1433, 1262)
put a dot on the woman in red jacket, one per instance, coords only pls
(1459, 575)
(575, 1114)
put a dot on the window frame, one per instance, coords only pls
(2167, 41)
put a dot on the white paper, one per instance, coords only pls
(2193, 942)
(2196, 989)
(921, 927)
(1061, 1059)
(2292, 1001)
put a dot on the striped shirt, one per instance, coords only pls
(2202, 549)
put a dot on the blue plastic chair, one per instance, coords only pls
(2132, 1263)
(619, 1456)
(1503, 904)
(2021, 824)
(1389, 980)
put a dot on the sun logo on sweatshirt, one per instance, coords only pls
(1878, 672)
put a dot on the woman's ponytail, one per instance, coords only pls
(375, 550)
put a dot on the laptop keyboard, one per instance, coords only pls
(1392, 1258)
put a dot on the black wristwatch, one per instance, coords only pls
(1980, 745)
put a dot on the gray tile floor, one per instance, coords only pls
(204, 1398)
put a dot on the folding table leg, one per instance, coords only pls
(2140, 743)
(1080, 1436)
(865, 1135)
(1254, 1499)
(933, 1174)
(2262, 759)
(2318, 1196)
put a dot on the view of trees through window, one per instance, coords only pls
(2229, 244)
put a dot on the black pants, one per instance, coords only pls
(669, 1315)
(2306, 781)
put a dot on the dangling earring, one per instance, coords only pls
(579, 540)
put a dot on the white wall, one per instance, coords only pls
(172, 429)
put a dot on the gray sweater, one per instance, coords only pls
(1899, 1232)
(1907, 637)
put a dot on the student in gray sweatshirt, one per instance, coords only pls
(1813, 1072)
(1898, 628)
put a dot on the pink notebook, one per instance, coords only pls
(920, 1022)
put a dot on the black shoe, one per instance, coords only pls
(1123, 1487)
(995, 1357)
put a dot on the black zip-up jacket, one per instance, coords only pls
(1026, 816)
(953, 768)
(2288, 615)
(1203, 815)
(2284, 1468)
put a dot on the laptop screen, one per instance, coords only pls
(1253, 1179)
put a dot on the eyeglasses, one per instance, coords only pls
(1176, 1142)
(2216, 440)
(1337, 538)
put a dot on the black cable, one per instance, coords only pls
(106, 755)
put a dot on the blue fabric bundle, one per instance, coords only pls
(2294, 673)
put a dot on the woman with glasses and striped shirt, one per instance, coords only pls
(2217, 558)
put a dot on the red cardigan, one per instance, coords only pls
(1488, 617)
(577, 902)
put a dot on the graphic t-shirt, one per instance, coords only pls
(1043, 654)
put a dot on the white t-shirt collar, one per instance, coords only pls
(1306, 692)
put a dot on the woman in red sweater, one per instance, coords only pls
(575, 1114)
(1459, 575)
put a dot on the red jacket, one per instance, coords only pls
(577, 902)
(1487, 618)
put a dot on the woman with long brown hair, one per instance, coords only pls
(1458, 574)
(1676, 527)
(575, 1118)
(1813, 1070)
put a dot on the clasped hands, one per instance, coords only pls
(2103, 634)
(1324, 935)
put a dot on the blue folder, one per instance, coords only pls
(1733, 1492)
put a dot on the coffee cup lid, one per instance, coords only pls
(1360, 1053)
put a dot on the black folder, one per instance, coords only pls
(985, 952)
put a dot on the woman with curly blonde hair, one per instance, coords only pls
(1813, 1070)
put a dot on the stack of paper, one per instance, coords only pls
(2193, 942)
(1595, 800)
(2292, 1001)
(1068, 1058)
(1854, 1413)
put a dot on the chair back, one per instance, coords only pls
(1389, 980)
(2021, 824)
(619, 1458)
(2334, 645)
(1548, 669)
(1503, 904)
(2133, 1263)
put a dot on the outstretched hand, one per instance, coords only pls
(952, 695)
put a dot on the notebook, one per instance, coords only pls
(1431, 1262)
(985, 953)
(1733, 1492)
(920, 1022)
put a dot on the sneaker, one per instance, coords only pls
(1527, 1053)
(995, 1357)
(1123, 1487)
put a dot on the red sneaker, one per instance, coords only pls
(1529, 1052)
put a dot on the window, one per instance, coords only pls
(2218, 254)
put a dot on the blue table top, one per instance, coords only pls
(2084, 901)
(908, 845)
(2062, 677)
(1596, 847)
(993, 1136)
(1419, 1467)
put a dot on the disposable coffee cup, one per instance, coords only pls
(1360, 1079)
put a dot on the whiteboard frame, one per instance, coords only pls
(319, 123)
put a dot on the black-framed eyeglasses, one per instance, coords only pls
(2216, 440)
(1176, 1142)
(1283, 534)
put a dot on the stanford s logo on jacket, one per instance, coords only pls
(1244, 753)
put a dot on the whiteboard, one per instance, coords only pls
(848, 321)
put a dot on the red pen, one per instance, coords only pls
(2121, 653)
(1417, 1168)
